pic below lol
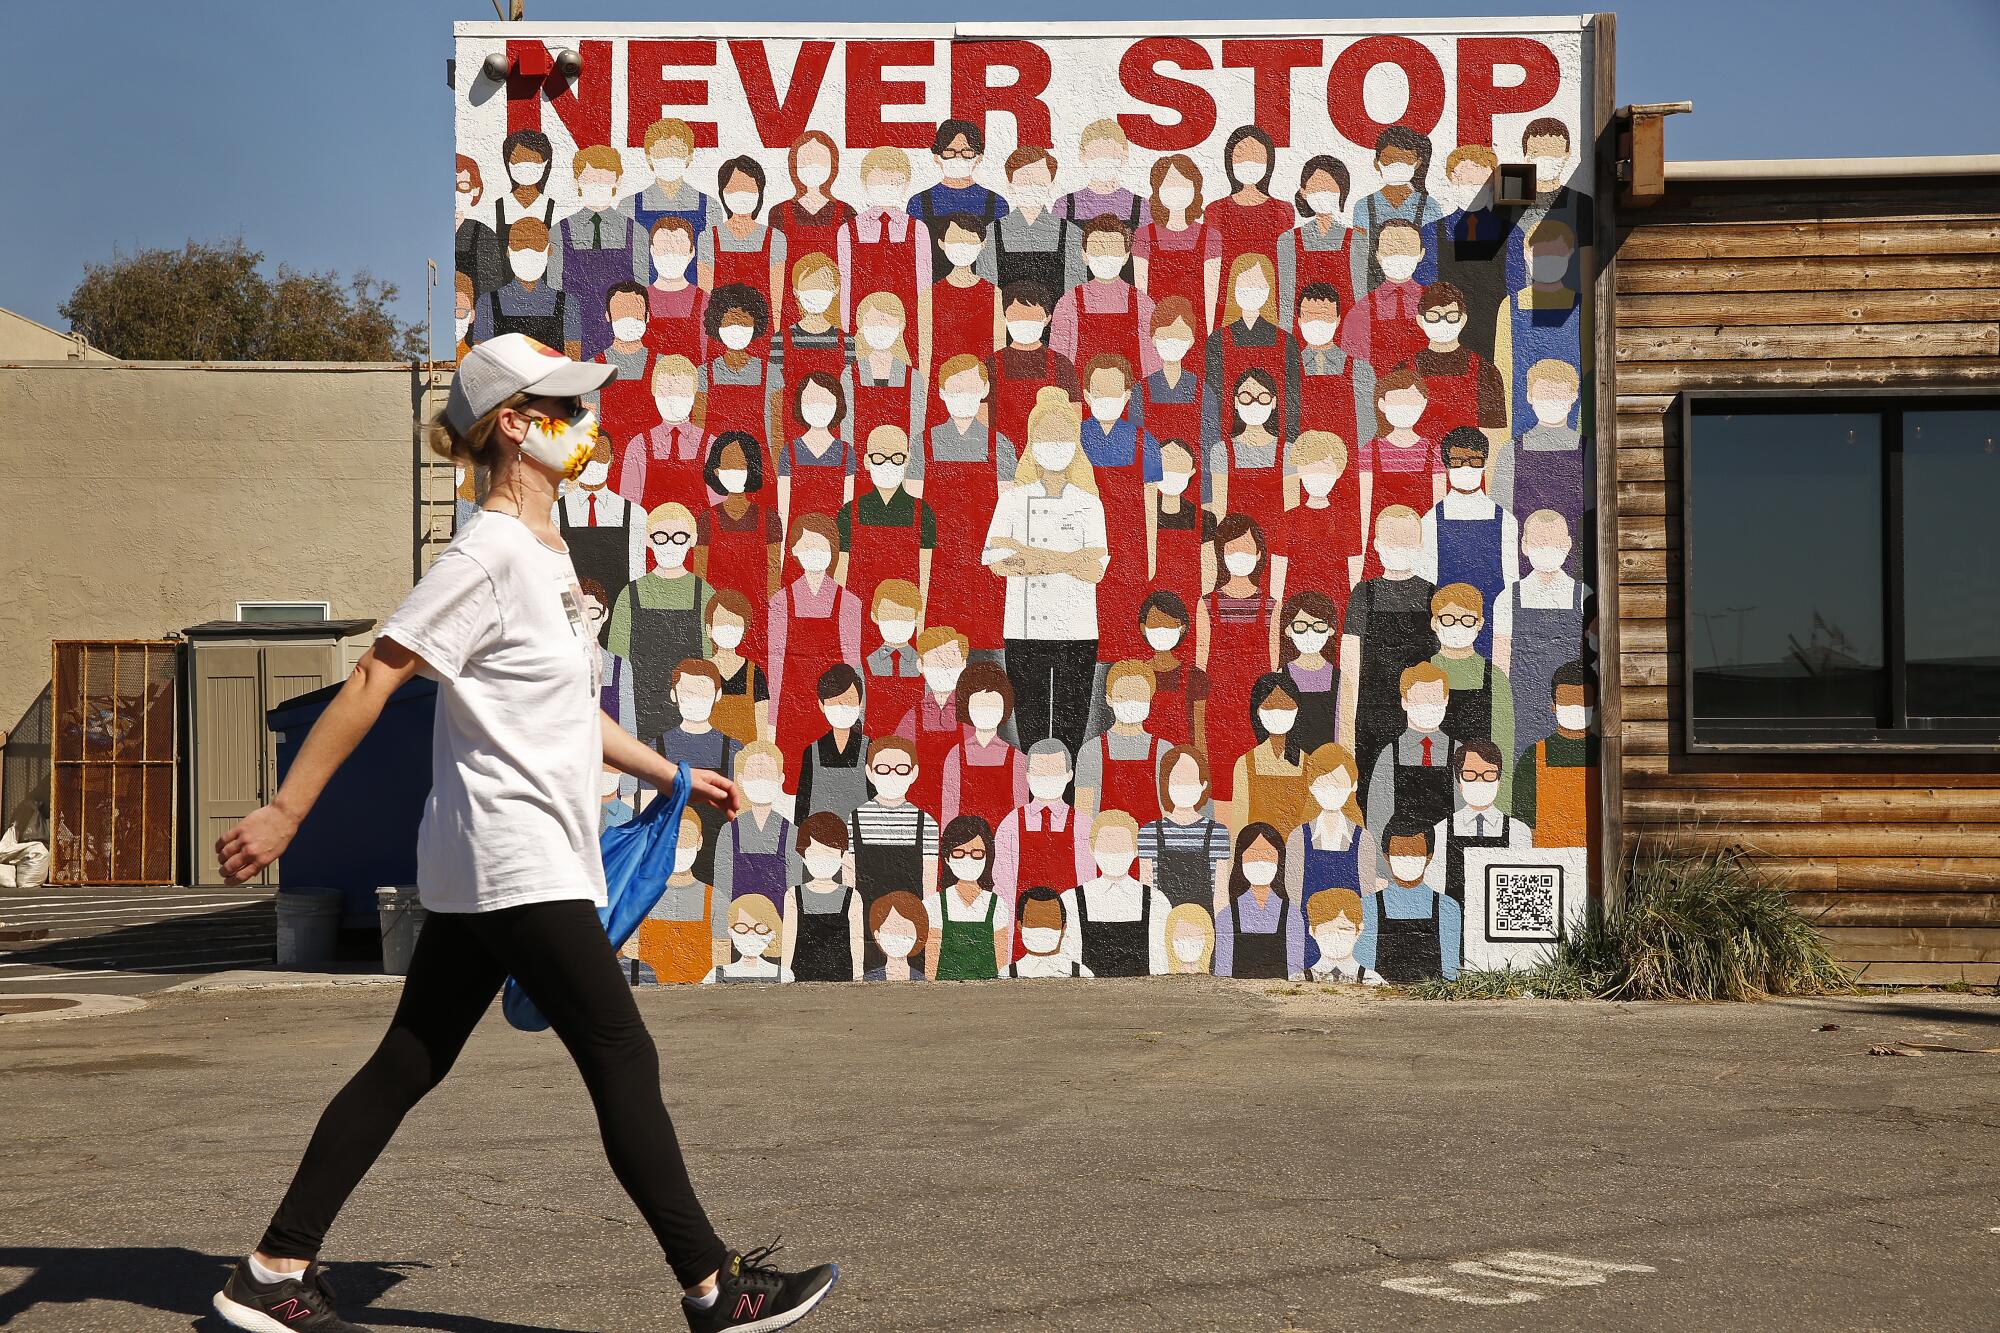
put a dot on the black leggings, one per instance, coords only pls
(561, 956)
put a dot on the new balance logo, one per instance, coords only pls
(749, 1306)
(291, 1309)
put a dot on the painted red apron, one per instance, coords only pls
(1116, 331)
(886, 264)
(670, 334)
(878, 553)
(1012, 398)
(964, 593)
(806, 234)
(1258, 492)
(1131, 785)
(738, 558)
(800, 362)
(933, 748)
(1453, 399)
(625, 408)
(881, 405)
(752, 268)
(1328, 266)
(1181, 273)
(1048, 859)
(961, 325)
(1172, 718)
(1326, 402)
(1317, 551)
(1177, 558)
(812, 644)
(1122, 490)
(1248, 229)
(885, 699)
(739, 406)
(1414, 489)
(986, 790)
(1239, 652)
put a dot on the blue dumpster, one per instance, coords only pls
(362, 834)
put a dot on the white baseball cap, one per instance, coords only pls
(497, 369)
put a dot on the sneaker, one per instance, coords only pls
(304, 1303)
(754, 1295)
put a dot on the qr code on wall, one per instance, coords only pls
(1524, 903)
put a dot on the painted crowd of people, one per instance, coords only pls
(1105, 582)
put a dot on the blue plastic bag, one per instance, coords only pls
(638, 857)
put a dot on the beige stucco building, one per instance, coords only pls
(143, 497)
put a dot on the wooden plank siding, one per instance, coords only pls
(1841, 283)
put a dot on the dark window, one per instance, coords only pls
(1842, 570)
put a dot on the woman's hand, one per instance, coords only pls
(253, 844)
(711, 788)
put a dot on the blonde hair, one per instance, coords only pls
(1107, 130)
(1471, 152)
(1114, 819)
(885, 303)
(958, 365)
(676, 130)
(886, 431)
(668, 512)
(1332, 901)
(1316, 446)
(811, 266)
(1231, 312)
(897, 592)
(1179, 917)
(1551, 371)
(760, 911)
(1055, 417)
(1397, 514)
(758, 750)
(667, 367)
(935, 637)
(892, 160)
(1550, 231)
(1334, 758)
(1132, 669)
(597, 157)
(1423, 673)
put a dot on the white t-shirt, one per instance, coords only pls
(516, 753)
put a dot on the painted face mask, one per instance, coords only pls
(1175, 483)
(1053, 455)
(985, 717)
(526, 173)
(1025, 331)
(814, 558)
(962, 254)
(1465, 480)
(1398, 173)
(528, 265)
(896, 631)
(595, 474)
(669, 168)
(741, 203)
(1425, 717)
(1548, 268)
(748, 942)
(815, 172)
(668, 261)
(464, 325)
(1403, 415)
(1458, 636)
(887, 476)
(733, 479)
(1324, 203)
(727, 636)
(1551, 411)
(563, 446)
(1047, 786)
(815, 300)
(1398, 268)
(1318, 485)
(1251, 295)
(736, 337)
(879, 336)
(1176, 194)
(1318, 332)
(1041, 940)
(890, 786)
(684, 859)
(1107, 408)
(1172, 350)
(695, 707)
(818, 412)
(962, 406)
(596, 198)
(1479, 795)
(1114, 863)
(1408, 869)
(1106, 267)
(628, 330)
(1255, 414)
(674, 407)
(1278, 721)
(1240, 563)
(1161, 638)
(823, 865)
(1572, 717)
(1310, 641)
(1260, 872)
(842, 716)
(942, 680)
(1131, 712)
(896, 945)
(1188, 948)
(1332, 794)
(967, 867)
(1185, 796)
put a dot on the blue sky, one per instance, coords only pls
(321, 133)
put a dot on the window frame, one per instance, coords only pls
(325, 608)
(1776, 737)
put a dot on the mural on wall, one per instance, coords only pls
(1118, 505)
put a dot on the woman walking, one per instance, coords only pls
(507, 858)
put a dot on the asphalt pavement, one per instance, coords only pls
(1161, 1154)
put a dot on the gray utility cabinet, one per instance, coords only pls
(237, 671)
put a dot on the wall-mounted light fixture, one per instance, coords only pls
(495, 66)
(569, 63)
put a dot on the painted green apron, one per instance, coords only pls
(967, 951)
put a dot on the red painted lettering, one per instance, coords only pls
(1480, 99)
(650, 94)
(781, 121)
(1344, 103)
(1139, 74)
(583, 107)
(974, 98)
(1273, 62)
(869, 93)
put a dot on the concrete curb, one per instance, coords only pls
(80, 1006)
(270, 979)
